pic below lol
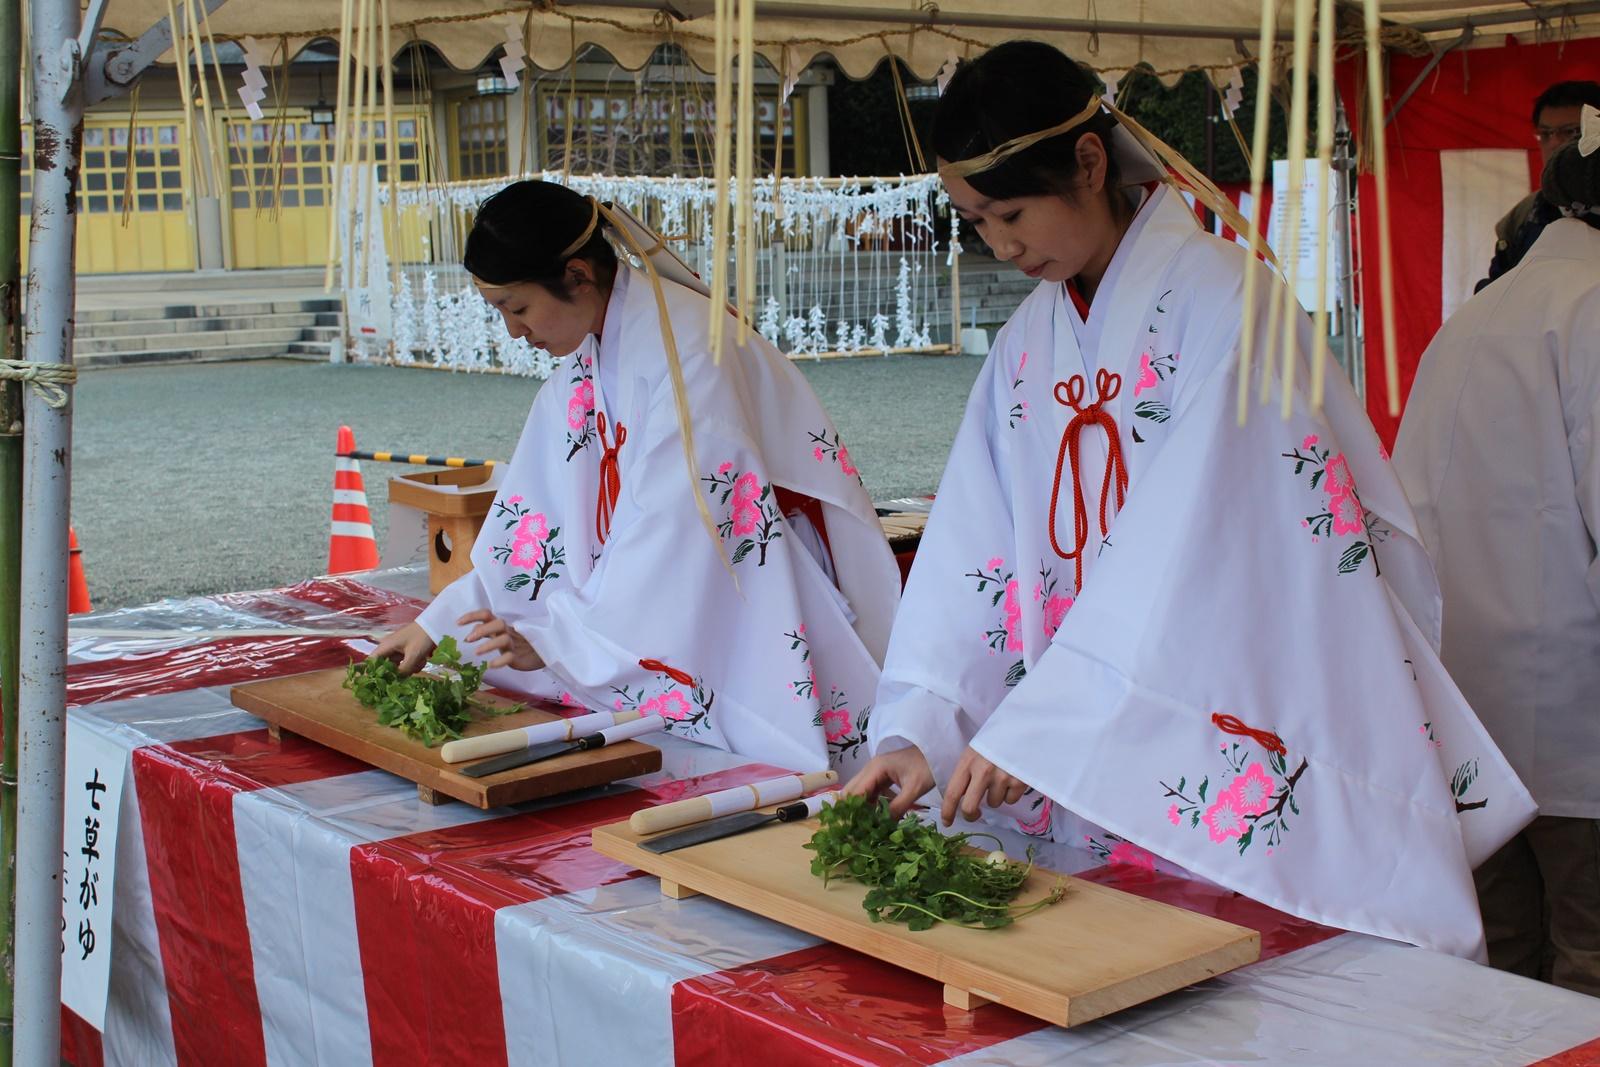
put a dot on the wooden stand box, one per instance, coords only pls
(456, 501)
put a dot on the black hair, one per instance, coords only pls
(1571, 181)
(521, 231)
(1013, 89)
(1567, 94)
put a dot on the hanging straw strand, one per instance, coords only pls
(680, 392)
(1298, 115)
(340, 131)
(744, 158)
(1325, 123)
(1258, 173)
(1380, 178)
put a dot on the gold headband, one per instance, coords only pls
(996, 156)
(1180, 172)
(588, 231)
(566, 253)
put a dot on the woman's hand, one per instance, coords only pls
(905, 768)
(498, 636)
(410, 646)
(976, 783)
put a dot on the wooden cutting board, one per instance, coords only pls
(1096, 951)
(318, 707)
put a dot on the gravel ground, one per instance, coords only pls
(208, 478)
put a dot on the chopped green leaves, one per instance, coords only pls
(429, 706)
(914, 873)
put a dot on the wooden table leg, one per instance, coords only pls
(965, 999)
(676, 891)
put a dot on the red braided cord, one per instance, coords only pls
(676, 675)
(1265, 738)
(1070, 394)
(610, 478)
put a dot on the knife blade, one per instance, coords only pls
(738, 823)
(552, 749)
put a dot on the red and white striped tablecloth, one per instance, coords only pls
(278, 903)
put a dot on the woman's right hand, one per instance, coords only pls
(905, 768)
(410, 646)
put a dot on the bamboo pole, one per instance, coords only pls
(47, 473)
(10, 488)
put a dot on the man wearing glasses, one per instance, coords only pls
(1555, 124)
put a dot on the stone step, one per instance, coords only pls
(212, 340)
(180, 281)
(149, 327)
(94, 361)
(241, 308)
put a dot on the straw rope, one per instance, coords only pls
(49, 381)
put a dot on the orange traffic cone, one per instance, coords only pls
(77, 586)
(351, 546)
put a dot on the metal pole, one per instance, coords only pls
(10, 489)
(55, 58)
(1344, 165)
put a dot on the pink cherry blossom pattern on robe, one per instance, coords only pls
(1147, 375)
(836, 724)
(1013, 618)
(1223, 818)
(1348, 515)
(1131, 855)
(1252, 791)
(1055, 613)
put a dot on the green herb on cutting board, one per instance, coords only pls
(917, 875)
(429, 706)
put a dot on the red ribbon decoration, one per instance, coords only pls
(1265, 738)
(1070, 394)
(671, 672)
(610, 478)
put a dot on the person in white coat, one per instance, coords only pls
(1134, 624)
(1500, 453)
(673, 535)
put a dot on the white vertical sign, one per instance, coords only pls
(1311, 224)
(95, 771)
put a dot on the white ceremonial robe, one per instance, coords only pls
(781, 667)
(1498, 453)
(1246, 683)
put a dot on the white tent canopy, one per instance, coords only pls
(1171, 36)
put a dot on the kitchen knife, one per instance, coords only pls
(739, 823)
(536, 753)
(519, 738)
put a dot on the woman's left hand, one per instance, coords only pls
(976, 783)
(498, 636)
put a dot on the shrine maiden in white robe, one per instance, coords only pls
(1500, 456)
(780, 668)
(1244, 682)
